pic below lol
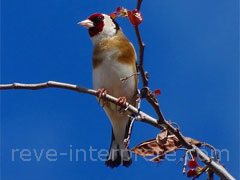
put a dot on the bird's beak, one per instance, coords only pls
(86, 23)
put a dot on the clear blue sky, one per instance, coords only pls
(191, 54)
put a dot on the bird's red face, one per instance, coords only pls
(98, 24)
(94, 24)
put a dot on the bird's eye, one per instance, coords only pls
(98, 19)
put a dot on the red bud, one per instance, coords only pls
(191, 173)
(192, 163)
(157, 92)
(135, 17)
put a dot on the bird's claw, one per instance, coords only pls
(122, 101)
(101, 93)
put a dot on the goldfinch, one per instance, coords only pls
(114, 58)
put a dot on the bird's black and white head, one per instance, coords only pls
(100, 26)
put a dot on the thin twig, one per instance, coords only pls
(141, 55)
(127, 77)
(146, 92)
(211, 147)
(129, 134)
(139, 3)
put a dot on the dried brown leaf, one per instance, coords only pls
(162, 145)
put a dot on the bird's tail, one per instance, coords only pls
(118, 154)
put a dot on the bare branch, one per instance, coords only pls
(53, 84)
(146, 92)
(141, 55)
(128, 77)
(139, 3)
(215, 166)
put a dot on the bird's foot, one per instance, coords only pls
(113, 163)
(122, 101)
(101, 93)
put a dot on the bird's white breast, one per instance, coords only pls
(108, 74)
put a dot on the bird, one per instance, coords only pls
(114, 58)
